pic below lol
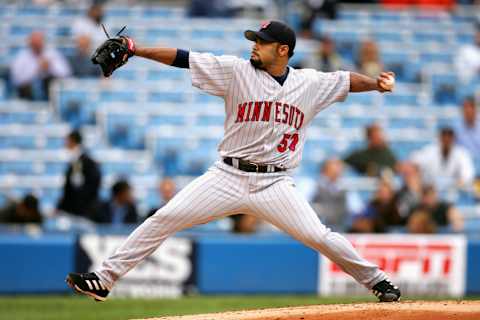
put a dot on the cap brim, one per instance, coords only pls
(253, 35)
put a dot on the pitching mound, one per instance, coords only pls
(407, 310)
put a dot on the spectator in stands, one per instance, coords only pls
(80, 61)
(376, 157)
(91, 24)
(332, 202)
(468, 130)
(445, 164)
(420, 221)
(25, 211)
(35, 67)
(82, 179)
(326, 59)
(369, 62)
(467, 61)
(380, 214)
(410, 193)
(166, 191)
(441, 213)
(244, 223)
(120, 209)
(313, 9)
(209, 9)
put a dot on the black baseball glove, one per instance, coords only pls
(113, 53)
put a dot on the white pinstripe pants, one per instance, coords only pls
(224, 190)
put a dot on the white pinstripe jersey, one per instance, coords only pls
(265, 121)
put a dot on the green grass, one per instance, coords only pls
(83, 308)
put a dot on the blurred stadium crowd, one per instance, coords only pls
(74, 145)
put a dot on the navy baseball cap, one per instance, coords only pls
(274, 31)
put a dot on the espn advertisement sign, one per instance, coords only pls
(419, 265)
(168, 272)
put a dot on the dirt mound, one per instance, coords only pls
(406, 310)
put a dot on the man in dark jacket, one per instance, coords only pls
(82, 180)
(120, 208)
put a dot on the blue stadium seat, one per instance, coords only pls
(347, 48)
(166, 97)
(18, 141)
(357, 121)
(12, 117)
(201, 97)
(32, 11)
(20, 191)
(153, 34)
(3, 89)
(476, 163)
(403, 149)
(124, 131)
(194, 162)
(73, 105)
(464, 38)
(55, 142)
(208, 34)
(62, 31)
(166, 154)
(398, 99)
(406, 122)
(384, 15)
(366, 99)
(18, 167)
(118, 96)
(429, 36)
(51, 195)
(351, 145)
(465, 199)
(159, 12)
(404, 66)
(13, 50)
(117, 168)
(351, 15)
(309, 168)
(126, 74)
(472, 226)
(172, 74)
(69, 11)
(166, 119)
(444, 89)
(388, 36)
(21, 30)
(208, 120)
(469, 18)
(317, 149)
(118, 12)
(55, 168)
(433, 57)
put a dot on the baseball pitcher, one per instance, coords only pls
(268, 107)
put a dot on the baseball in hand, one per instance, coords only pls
(387, 82)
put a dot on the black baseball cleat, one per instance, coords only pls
(88, 284)
(386, 291)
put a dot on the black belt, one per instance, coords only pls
(251, 167)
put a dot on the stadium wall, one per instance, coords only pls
(237, 264)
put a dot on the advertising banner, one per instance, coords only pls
(168, 272)
(419, 265)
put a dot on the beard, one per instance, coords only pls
(257, 64)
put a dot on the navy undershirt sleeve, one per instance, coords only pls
(181, 60)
